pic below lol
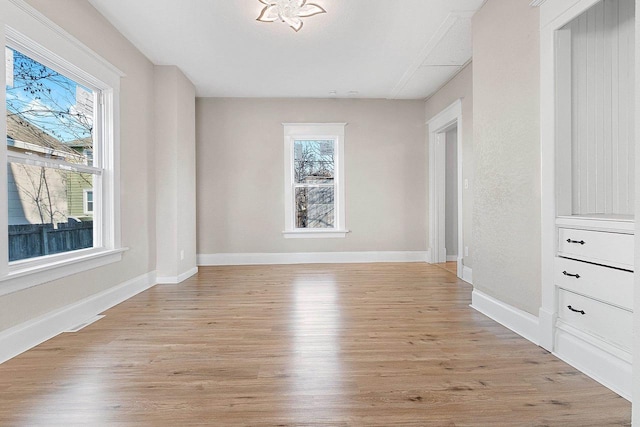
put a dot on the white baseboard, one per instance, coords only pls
(162, 280)
(608, 370)
(520, 322)
(24, 336)
(310, 258)
(467, 274)
(452, 258)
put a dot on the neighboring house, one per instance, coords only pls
(39, 195)
(315, 205)
(80, 186)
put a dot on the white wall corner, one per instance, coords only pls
(311, 258)
(27, 335)
(635, 391)
(467, 274)
(174, 280)
(519, 321)
(546, 320)
(430, 259)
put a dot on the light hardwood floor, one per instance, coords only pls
(450, 266)
(327, 345)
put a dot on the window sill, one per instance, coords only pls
(26, 274)
(315, 234)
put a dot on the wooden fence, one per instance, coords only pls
(33, 240)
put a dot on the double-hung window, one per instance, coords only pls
(60, 160)
(314, 180)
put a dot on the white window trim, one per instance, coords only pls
(25, 28)
(85, 201)
(311, 131)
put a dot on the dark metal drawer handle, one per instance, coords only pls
(577, 276)
(576, 311)
(580, 242)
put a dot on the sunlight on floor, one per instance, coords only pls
(316, 327)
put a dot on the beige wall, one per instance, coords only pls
(186, 106)
(137, 168)
(175, 172)
(240, 174)
(506, 140)
(460, 87)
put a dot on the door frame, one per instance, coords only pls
(438, 125)
(554, 16)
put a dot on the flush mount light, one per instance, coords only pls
(288, 11)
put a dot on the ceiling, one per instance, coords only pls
(360, 48)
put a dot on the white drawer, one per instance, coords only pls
(614, 249)
(611, 324)
(602, 283)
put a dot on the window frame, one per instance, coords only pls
(30, 32)
(314, 131)
(85, 201)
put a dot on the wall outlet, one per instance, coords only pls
(182, 254)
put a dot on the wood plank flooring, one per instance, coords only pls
(307, 345)
(450, 266)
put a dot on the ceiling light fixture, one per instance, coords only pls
(288, 11)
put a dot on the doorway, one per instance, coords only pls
(446, 237)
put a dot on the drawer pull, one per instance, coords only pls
(580, 242)
(577, 276)
(576, 311)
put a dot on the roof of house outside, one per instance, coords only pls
(26, 136)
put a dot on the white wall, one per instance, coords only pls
(460, 87)
(240, 181)
(451, 192)
(506, 140)
(636, 297)
(175, 174)
(82, 21)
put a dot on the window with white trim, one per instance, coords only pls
(314, 180)
(60, 159)
(49, 115)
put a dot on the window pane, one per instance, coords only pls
(46, 212)
(48, 114)
(314, 162)
(88, 208)
(314, 207)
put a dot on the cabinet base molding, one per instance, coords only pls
(609, 370)
(520, 322)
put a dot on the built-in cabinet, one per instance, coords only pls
(589, 289)
(593, 280)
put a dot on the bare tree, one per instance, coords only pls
(40, 193)
(43, 108)
(314, 168)
(47, 99)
